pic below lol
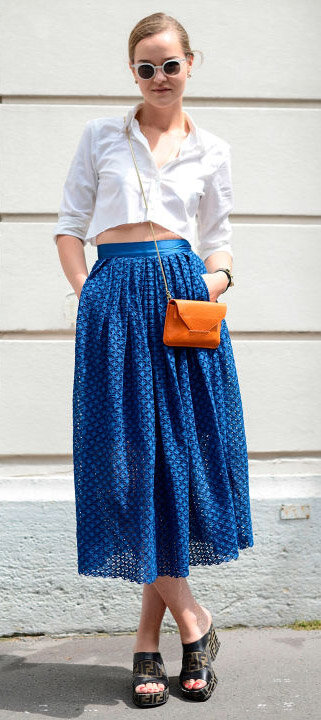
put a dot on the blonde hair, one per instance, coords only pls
(155, 23)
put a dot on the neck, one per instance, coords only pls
(163, 119)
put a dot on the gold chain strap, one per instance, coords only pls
(152, 229)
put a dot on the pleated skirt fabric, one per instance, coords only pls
(159, 445)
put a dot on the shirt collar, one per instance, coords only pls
(132, 122)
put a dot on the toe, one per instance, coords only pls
(199, 683)
(141, 688)
(188, 683)
(150, 686)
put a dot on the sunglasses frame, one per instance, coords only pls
(155, 67)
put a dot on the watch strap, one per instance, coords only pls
(229, 275)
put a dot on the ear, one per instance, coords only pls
(133, 70)
(190, 60)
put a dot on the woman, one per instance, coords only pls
(160, 456)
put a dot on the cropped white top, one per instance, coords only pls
(191, 195)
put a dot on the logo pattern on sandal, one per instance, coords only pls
(148, 667)
(149, 670)
(195, 660)
(154, 698)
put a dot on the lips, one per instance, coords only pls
(161, 90)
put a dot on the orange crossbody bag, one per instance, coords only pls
(188, 323)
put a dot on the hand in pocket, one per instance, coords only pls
(81, 289)
(216, 284)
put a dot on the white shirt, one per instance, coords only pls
(191, 195)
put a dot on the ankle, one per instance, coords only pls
(146, 647)
(146, 642)
(193, 625)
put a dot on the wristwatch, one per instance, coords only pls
(229, 275)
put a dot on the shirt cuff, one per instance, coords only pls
(68, 226)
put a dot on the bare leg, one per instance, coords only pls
(147, 636)
(193, 620)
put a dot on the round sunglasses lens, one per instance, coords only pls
(172, 67)
(145, 71)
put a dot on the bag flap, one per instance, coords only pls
(200, 314)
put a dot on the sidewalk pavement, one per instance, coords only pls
(266, 672)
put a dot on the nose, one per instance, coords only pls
(162, 74)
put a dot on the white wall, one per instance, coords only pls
(259, 88)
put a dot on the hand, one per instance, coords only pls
(216, 283)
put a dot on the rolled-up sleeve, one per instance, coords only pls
(214, 229)
(79, 191)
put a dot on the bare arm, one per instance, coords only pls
(73, 261)
(217, 283)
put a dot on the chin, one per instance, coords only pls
(163, 98)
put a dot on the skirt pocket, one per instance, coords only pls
(199, 270)
(97, 266)
(206, 290)
(83, 287)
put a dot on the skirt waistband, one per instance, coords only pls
(146, 247)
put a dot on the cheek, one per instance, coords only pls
(182, 79)
(177, 84)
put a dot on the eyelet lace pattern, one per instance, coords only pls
(159, 446)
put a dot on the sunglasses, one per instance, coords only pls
(148, 70)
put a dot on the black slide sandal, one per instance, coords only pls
(196, 664)
(149, 667)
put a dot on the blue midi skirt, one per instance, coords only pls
(159, 446)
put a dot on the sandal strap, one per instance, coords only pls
(196, 660)
(197, 665)
(149, 667)
(202, 674)
(198, 644)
